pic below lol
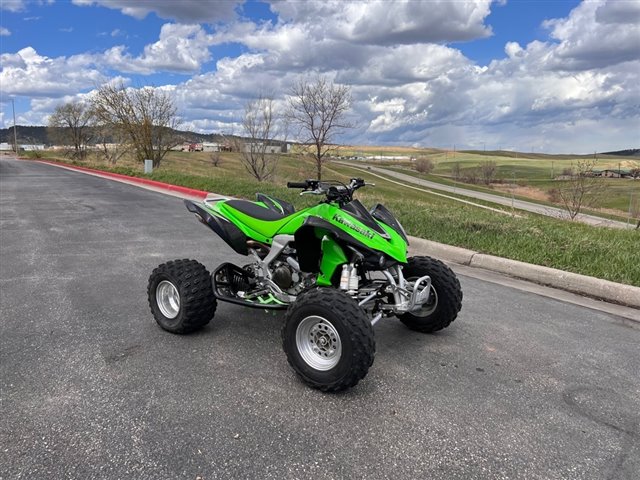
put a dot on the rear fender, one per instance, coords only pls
(226, 230)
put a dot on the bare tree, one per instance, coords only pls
(634, 208)
(488, 170)
(216, 158)
(471, 175)
(111, 143)
(583, 189)
(70, 124)
(256, 151)
(146, 117)
(424, 165)
(318, 109)
(455, 171)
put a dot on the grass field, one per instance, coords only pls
(614, 204)
(535, 175)
(600, 252)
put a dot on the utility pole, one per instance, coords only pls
(15, 131)
(513, 200)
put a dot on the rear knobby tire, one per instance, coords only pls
(448, 295)
(180, 296)
(328, 339)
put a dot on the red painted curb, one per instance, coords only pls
(143, 181)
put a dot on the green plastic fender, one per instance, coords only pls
(332, 257)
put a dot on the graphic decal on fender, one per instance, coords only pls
(352, 226)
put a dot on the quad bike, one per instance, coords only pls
(336, 268)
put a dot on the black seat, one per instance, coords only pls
(254, 210)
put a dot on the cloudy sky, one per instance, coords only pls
(548, 76)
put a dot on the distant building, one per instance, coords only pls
(616, 172)
(6, 147)
(269, 149)
(210, 147)
(189, 147)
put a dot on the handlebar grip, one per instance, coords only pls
(297, 184)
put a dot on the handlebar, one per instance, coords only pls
(304, 184)
(335, 191)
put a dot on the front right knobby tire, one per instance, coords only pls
(328, 339)
(446, 295)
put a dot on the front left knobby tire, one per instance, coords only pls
(328, 339)
(180, 296)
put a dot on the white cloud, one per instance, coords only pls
(13, 5)
(30, 74)
(180, 48)
(4, 32)
(577, 91)
(383, 23)
(20, 5)
(188, 11)
(597, 34)
(425, 93)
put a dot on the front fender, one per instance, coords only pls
(332, 257)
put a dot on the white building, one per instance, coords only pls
(257, 147)
(210, 147)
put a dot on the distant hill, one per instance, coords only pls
(38, 135)
(552, 156)
(632, 152)
(29, 134)
(26, 134)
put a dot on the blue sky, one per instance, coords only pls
(557, 76)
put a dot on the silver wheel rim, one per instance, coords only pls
(318, 343)
(428, 307)
(168, 299)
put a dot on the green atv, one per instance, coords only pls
(336, 268)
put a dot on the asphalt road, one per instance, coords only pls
(498, 199)
(520, 386)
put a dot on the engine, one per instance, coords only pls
(283, 276)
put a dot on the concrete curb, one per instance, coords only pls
(618, 293)
(448, 253)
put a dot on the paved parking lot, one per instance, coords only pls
(520, 386)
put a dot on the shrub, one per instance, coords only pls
(554, 195)
(488, 171)
(424, 165)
